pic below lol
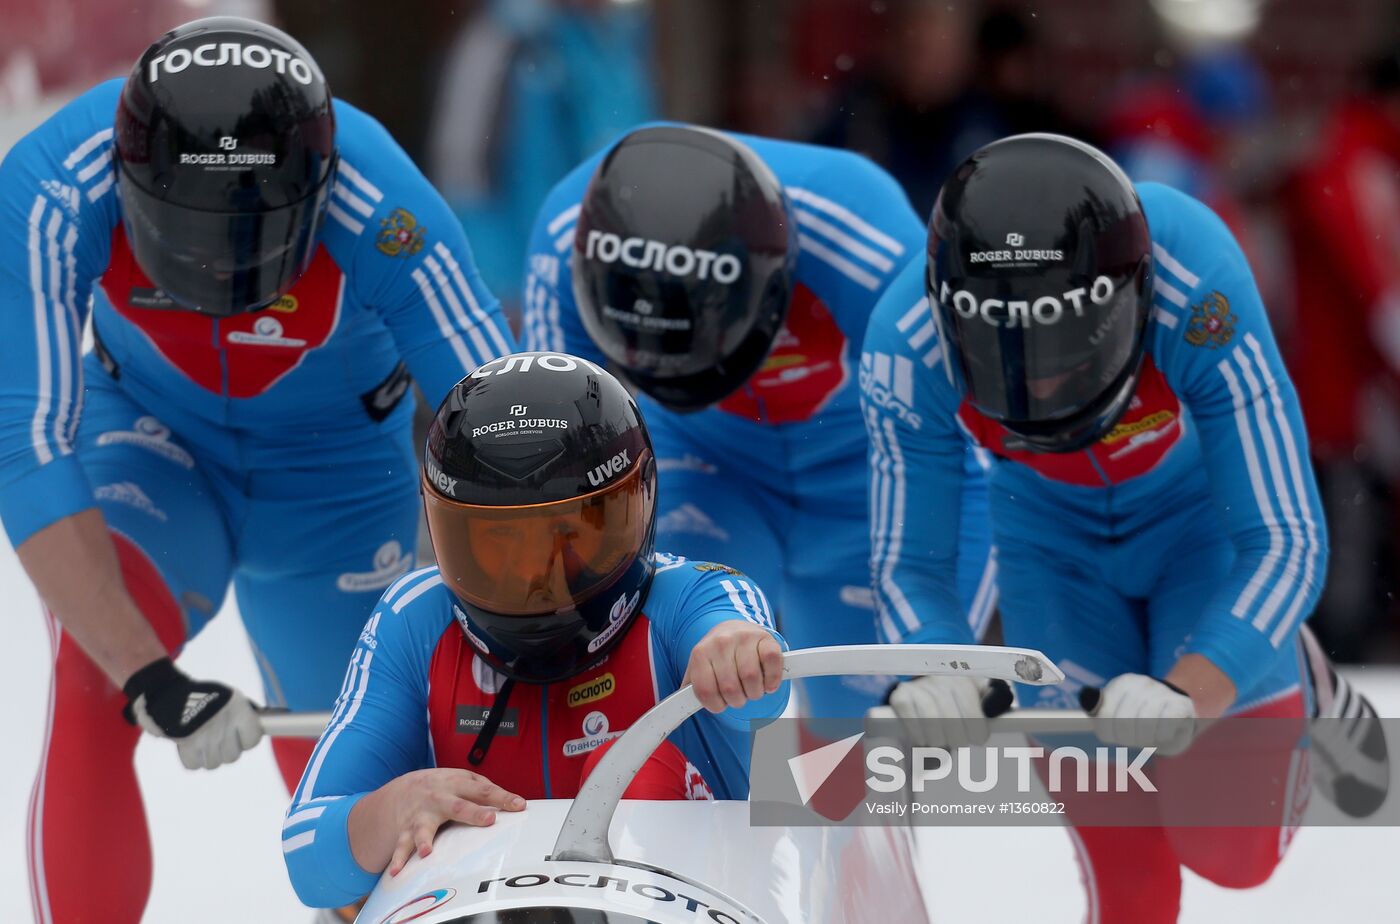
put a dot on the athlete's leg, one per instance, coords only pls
(317, 546)
(1269, 780)
(89, 848)
(1056, 598)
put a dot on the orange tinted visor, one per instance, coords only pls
(541, 558)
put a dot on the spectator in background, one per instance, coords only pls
(1344, 221)
(530, 88)
(1158, 133)
(942, 85)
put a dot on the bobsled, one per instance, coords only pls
(600, 859)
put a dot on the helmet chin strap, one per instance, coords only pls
(492, 723)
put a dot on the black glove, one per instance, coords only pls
(211, 723)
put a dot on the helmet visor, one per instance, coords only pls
(541, 558)
(217, 262)
(1043, 358)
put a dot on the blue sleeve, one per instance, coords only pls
(550, 318)
(918, 455)
(408, 258)
(713, 594)
(856, 233)
(378, 731)
(710, 598)
(58, 208)
(1212, 340)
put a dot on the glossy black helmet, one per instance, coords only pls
(682, 262)
(225, 154)
(540, 491)
(1040, 276)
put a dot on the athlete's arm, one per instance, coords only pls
(549, 318)
(718, 612)
(409, 258)
(57, 211)
(735, 663)
(401, 818)
(1214, 344)
(856, 234)
(334, 849)
(917, 454)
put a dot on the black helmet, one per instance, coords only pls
(682, 262)
(1040, 274)
(540, 489)
(225, 144)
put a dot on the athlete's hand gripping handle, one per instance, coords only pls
(1140, 711)
(211, 723)
(949, 712)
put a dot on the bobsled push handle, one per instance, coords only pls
(584, 835)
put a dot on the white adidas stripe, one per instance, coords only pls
(837, 262)
(852, 246)
(363, 185)
(1173, 266)
(1262, 574)
(304, 839)
(1296, 478)
(459, 348)
(41, 335)
(848, 218)
(95, 165)
(304, 815)
(737, 602)
(334, 210)
(896, 529)
(417, 591)
(483, 319)
(1169, 292)
(398, 585)
(879, 495)
(63, 328)
(77, 155)
(758, 604)
(70, 301)
(563, 218)
(1282, 492)
(923, 335)
(349, 706)
(98, 190)
(444, 288)
(985, 600)
(889, 492)
(911, 317)
(352, 200)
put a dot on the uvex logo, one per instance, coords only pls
(440, 481)
(608, 469)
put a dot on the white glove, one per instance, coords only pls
(942, 712)
(1140, 711)
(211, 723)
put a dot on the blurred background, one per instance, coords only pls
(1283, 115)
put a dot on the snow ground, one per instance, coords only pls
(217, 834)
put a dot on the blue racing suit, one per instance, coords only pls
(1193, 526)
(415, 694)
(773, 478)
(271, 448)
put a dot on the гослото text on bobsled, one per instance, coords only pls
(599, 859)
